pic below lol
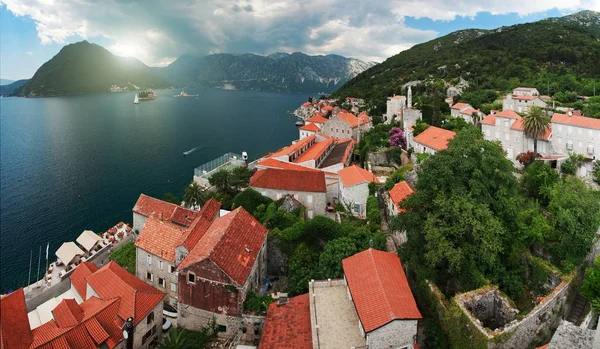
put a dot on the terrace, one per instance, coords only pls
(226, 161)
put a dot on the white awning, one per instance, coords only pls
(88, 239)
(68, 251)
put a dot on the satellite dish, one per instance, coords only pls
(125, 334)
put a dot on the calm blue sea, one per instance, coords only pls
(73, 163)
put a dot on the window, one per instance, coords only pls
(148, 335)
(356, 208)
(337, 130)
(506, 123)
(191, 278)
(309, 199)
(222, 328)
(173, 287)
(332, 129)
(160, 265)
(172, 269)
(149, 259)
(161, 282)
(150, 318)
(149, 276)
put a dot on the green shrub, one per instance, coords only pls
(421, 157)
(125, 256)
(591, 285)
(373, 215)
(250, 200)
(257, 304)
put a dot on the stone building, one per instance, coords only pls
(354, 188)
(577, 134)
(305, 185)
(432, 140)
(457, 108)
(346, 125)
(526, 91)
(521, 103)
(160, 236)
(394, 106)
(229, 260)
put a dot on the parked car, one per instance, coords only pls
(166, 325)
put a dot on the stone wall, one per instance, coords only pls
(490, 307)
(49, 293)
(277, 261)
(143, 327)
(396, 334)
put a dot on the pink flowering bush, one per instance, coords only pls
(397, 138)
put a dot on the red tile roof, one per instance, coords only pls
(350, 119)
(196, 230)
(78, 276)
(287, 326)
(469, 111)
(98, 324)
(317, 119)
(525, 88)
(352, 175)
(314, 152)
(147, 205)
(509, 114)
(399, 97)
(14, 323)
(137, 297)
(460, 106)
(435, 137)
(67, 313)
(575, 120)
(399, 192)
(160, 237)
(518, 125)
(310, 127)
(294, 147)
(489, 120)
(523, 97)
(232, 243)
(292, 180)
(278, 164)
(306, 104)
(379, 288)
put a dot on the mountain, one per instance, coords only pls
(85, 68)
(296, 72)
(552, 54)
(12, 89)
(6, 82)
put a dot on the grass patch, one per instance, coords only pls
(125, 256)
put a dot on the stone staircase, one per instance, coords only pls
(577, 312)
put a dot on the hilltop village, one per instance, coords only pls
(444, 226)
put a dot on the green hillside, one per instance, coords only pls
(556, 54)
(85, 68)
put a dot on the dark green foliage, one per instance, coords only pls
(330, 265)
(478, 98)
(566, 97)
(303, 264)
(372, 188)
(250, 200)
(547, 55)
(575, 216)
(396, 177)
(373, 214)
(376, 138)
(597, 172)
(419, 127)
(572, 164)
(592, 109)
(125, 256)
(455, 124)
(591, 285)
(230, 181)
(537, 180)
(170, 197)
(85, 68)
(257, 304)
(195, 195)
(421, 157)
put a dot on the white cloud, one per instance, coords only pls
(157, 31)
(29, 53)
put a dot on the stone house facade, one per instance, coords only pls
(229, 260)
(432, 140)
(394, 106)
(354, 188)
(577, 134)
(307, 186)
(345, 125)
(521, 103)
(458, 108)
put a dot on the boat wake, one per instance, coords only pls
(185, 153)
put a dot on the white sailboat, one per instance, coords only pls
(136, 100)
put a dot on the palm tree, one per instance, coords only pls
(195, 195)
(177, 339)
(535, 123)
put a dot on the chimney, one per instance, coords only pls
(570, 113)
(160, 217)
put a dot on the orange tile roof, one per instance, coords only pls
(310, 127)
(78, 276)
(353, 175)
(287, 326)
(469, 111)
(232, 242)
(351, 144)
(14, 323)
(291, 180)
(399, 97)
(97, 324)
(399, 192)
(306, 104)
(350, 119)
(575, 120)
(137, 297)
(147, 205)
(67, 313)
(489, 120)
(524, 97)
(509, 114)
(379, 288)
(435, 137)
(278, 164)
(314, 152)
(207, 214)
(317, 118)
(160, 237)
(518, 125)
(293, 147)
(460, 106)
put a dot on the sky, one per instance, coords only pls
(157, 31)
